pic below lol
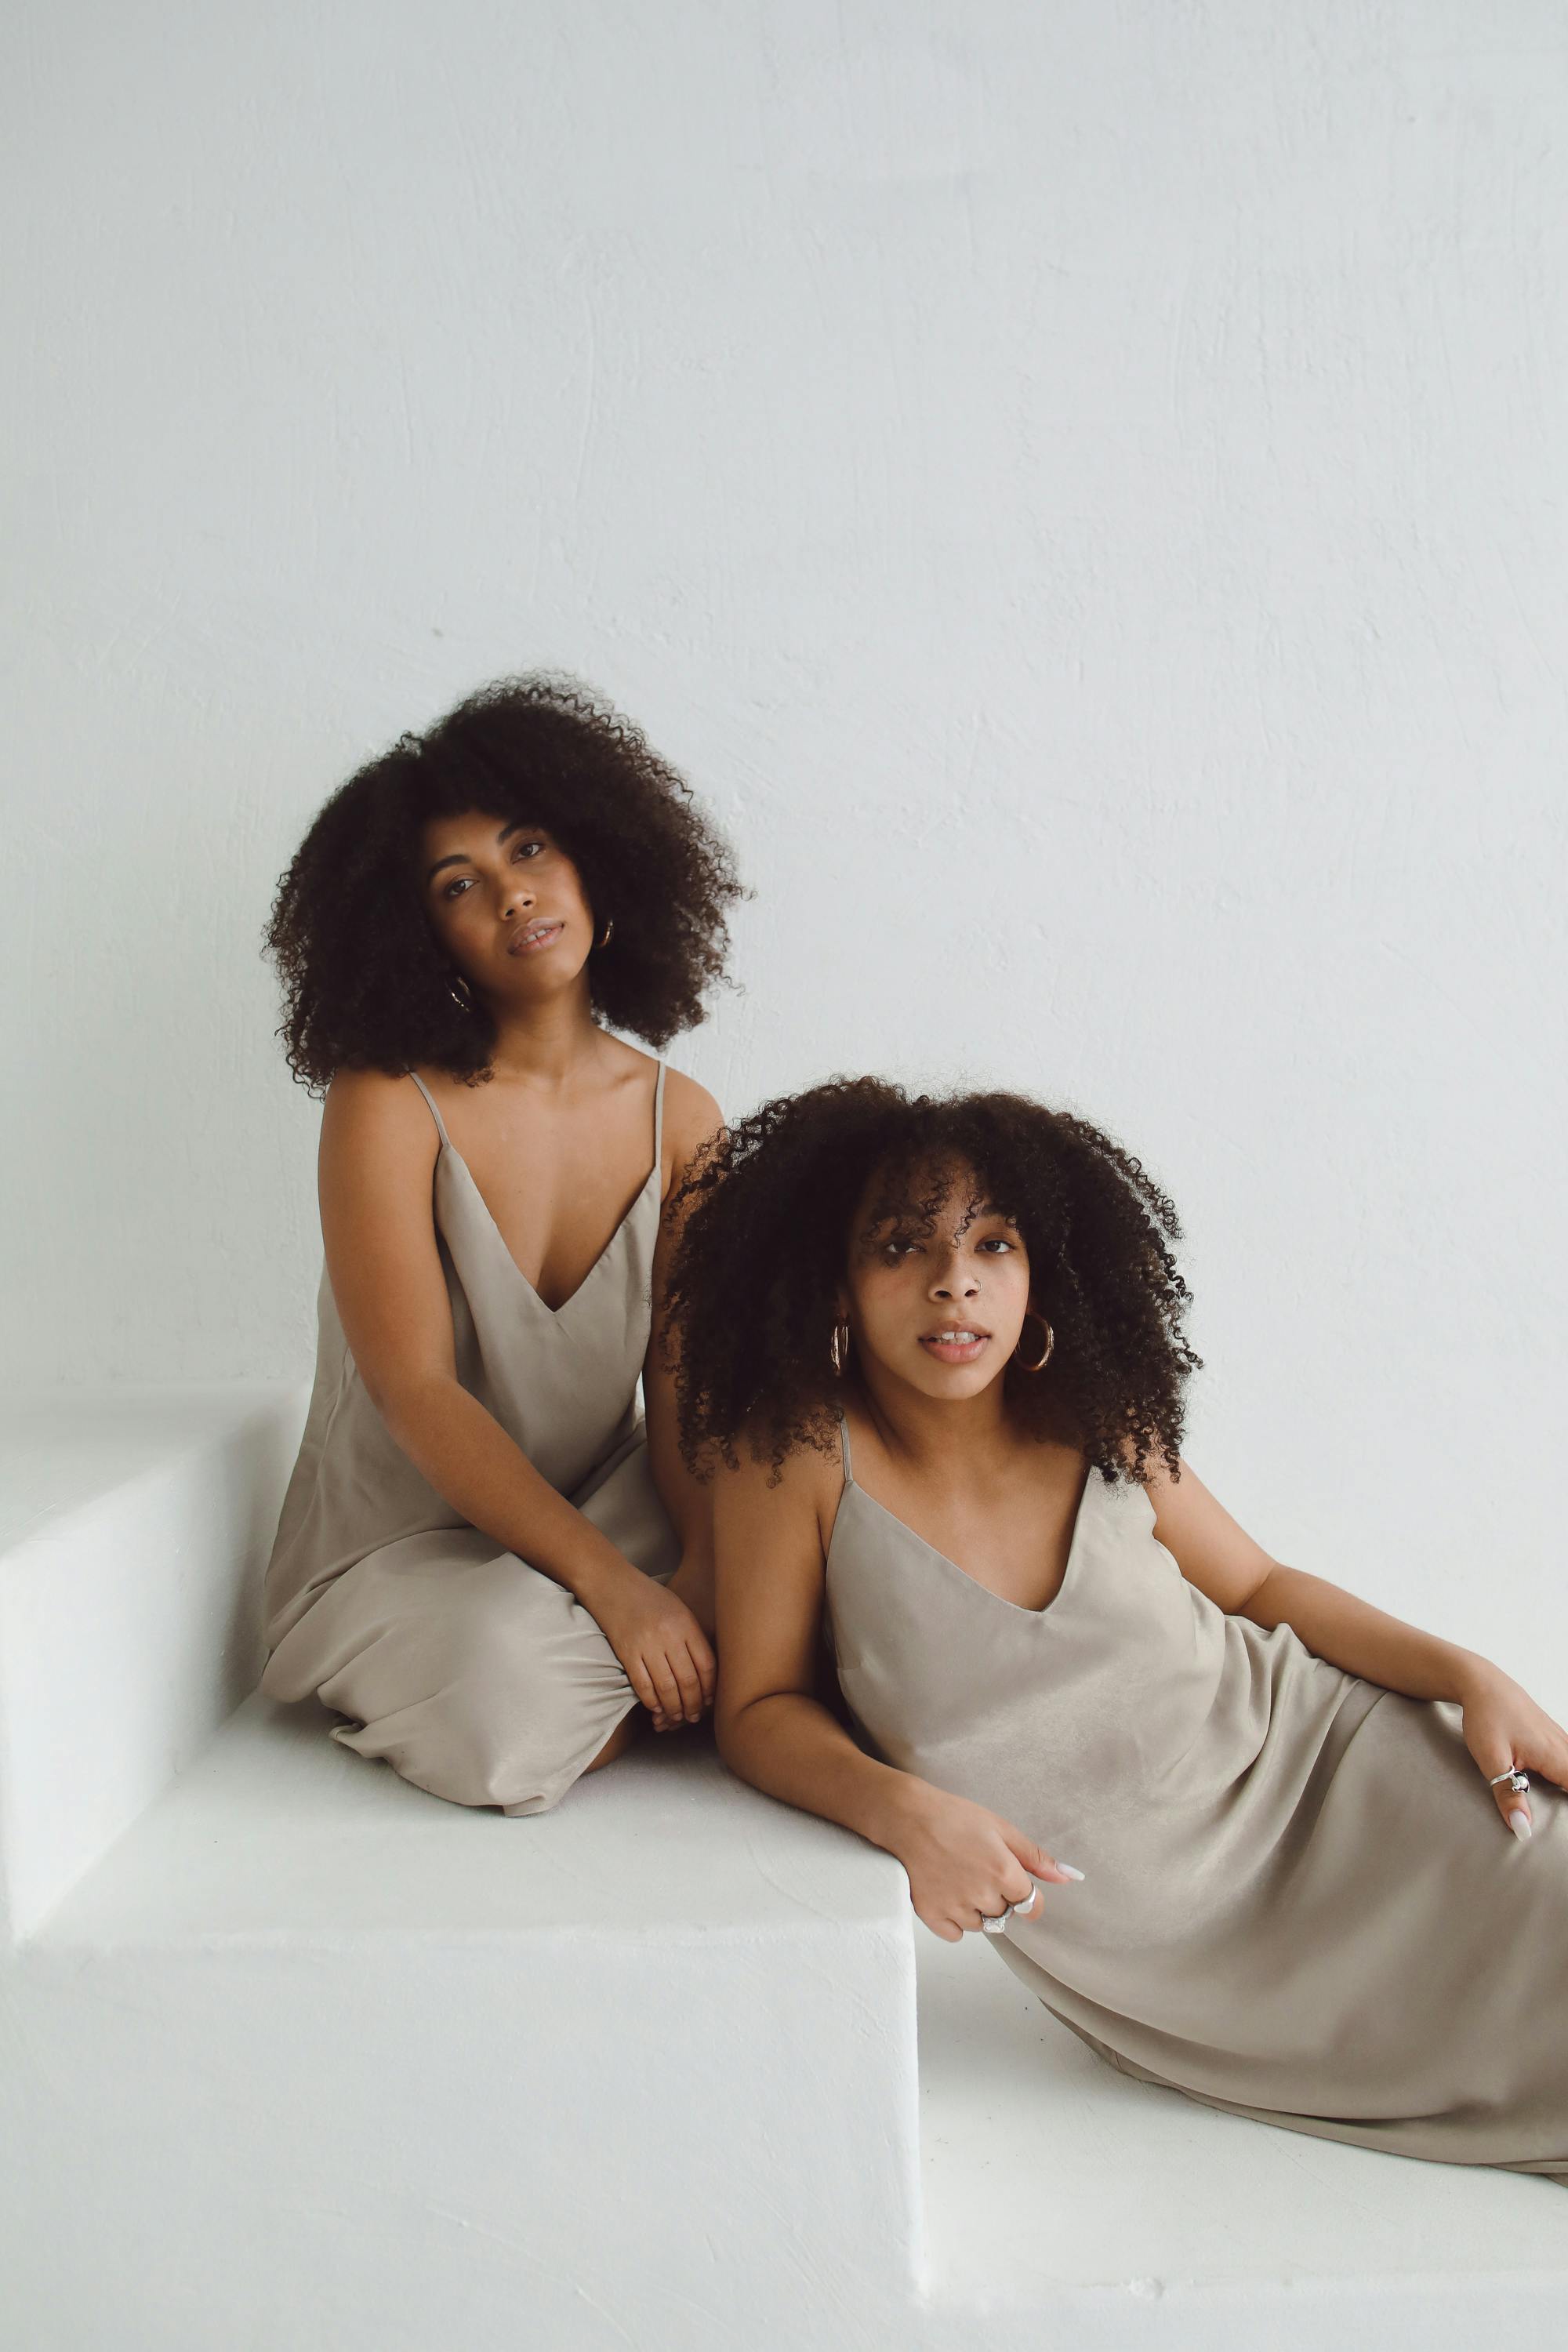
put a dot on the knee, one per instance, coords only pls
(508, 1722)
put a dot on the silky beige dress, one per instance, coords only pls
(1299, 1901)
(476, 1677)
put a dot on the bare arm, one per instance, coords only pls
(376, 1164)
(964, 1862)
(771, 1730)
(1222, 1559)
(690, 1118)
(1502, 1723)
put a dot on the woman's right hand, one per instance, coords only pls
(668, 1657)
(966, 1865)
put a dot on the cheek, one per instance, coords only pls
(886, 1301)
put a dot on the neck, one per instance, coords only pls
(941, 1434)
(547, 1045)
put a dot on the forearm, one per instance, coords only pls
(471, 1462)
(791, 1748)
(1364, 1641)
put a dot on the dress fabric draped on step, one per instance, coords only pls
(1299, 1901)
(476, 1677)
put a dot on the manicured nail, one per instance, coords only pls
(1067, 1871)
(1518, 1821)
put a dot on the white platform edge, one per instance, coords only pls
(128, 1629)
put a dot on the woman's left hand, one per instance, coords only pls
(1504, 1727)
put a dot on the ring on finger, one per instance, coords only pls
(1514, 1777)
(1015, 1910)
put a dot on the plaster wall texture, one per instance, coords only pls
(1079, 489)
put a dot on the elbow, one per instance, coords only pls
(403, 1403)
(734, 1733)
(1265, 1605)
(725, 1720)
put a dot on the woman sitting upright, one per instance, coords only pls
(486, 1559)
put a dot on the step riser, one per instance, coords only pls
(577, 2140)
(129, 1631)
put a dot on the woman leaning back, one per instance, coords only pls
(937, 1346)
(486, 1559)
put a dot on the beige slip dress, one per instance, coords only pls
(476, 1675)
(1299, 1901)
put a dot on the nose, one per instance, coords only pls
(516, 890)
(954, 1278)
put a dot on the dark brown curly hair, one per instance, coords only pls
(763, 1249)
(366, 984)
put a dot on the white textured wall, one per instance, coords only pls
(1079, 488)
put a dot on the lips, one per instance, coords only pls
(538, 934)
(956, 1343)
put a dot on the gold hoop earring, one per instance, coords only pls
(1050, 1343)
(609, 934)
(838, 1348)
(461, 994)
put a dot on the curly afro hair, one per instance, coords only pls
(764, 1246)
(366, 984)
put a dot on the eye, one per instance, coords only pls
(898, 1246)
(997, 1241)
(523, 847)
(452, 888)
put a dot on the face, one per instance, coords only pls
(507, 903)
(942, 1310)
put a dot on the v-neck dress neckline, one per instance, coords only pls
(1299, 1902)
(852, 1487)
(449, 1151)
(563, 1383)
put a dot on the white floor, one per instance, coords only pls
(1044, 2168)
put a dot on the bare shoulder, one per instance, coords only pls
(1210, 1547)
(373, 1112)
(691, 1117)
(779, 1502)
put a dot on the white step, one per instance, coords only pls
(293, 2052)
(134, 1524)
(647, 2055)
(299, 2051)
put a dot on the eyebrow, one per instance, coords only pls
(906, 1215)
(460, 857)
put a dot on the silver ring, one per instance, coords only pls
(1514, 1777)
(1014, 1911)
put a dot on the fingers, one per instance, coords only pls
(1512, 1800)
(1500, 1764)
(663, 1676)
(683, 1688)
(1037, 1860)
(687, 1686)
(641, 1682)
(707, 1665)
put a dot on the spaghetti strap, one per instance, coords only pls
(658, 1119)
(440, 1124)
(844, 1448)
